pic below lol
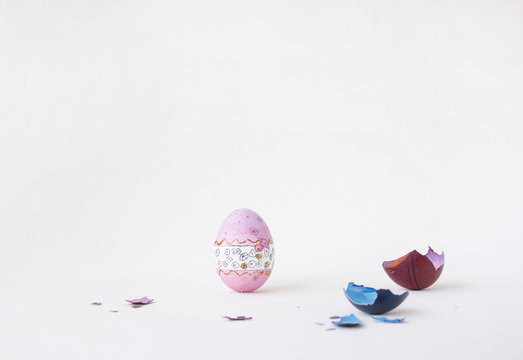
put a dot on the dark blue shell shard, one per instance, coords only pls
(372, 301)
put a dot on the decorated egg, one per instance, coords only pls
(244, 251)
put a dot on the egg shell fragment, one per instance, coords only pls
(244, 251)
(372, 301)
(415, 271)
(348, 321)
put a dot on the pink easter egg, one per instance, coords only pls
(240, 261)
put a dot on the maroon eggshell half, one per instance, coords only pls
(412, 271)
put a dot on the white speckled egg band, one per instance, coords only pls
(244, 257)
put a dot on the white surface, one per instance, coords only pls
(359, 130)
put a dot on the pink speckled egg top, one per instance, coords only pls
(243, 224)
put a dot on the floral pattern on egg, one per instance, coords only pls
(253, 260)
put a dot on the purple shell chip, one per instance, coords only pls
(142, 301)
(237, 318)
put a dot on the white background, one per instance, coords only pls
(359, 130)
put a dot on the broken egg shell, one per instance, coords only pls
(415, 271)
(141, 301)
(244, 251)
(372, 301)
(348, 321)
(385, 319)
(237, 318)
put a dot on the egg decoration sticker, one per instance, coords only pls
(244, 251)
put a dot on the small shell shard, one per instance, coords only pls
(141, 301)
(237, 318)
(415, 271)
(372, 301)
(385, 319)
(348, 321)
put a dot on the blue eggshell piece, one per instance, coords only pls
(348, 321)
(384, 301)
(385, 319)
(362, 295)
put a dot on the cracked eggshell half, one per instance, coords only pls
(415, 271)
